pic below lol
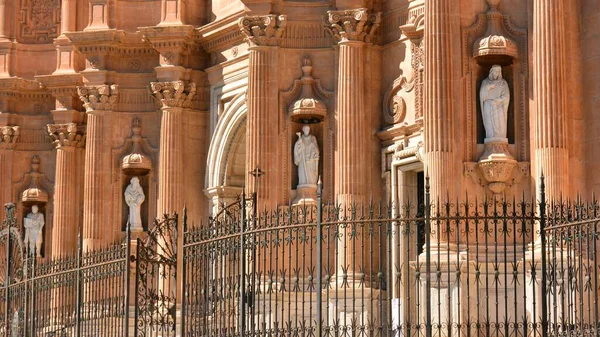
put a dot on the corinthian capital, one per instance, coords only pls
(66, 135)
(353, 25)
(100, 97)
(176, 94)
(8, 136)
(262, 30)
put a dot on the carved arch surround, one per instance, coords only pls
(228, 126)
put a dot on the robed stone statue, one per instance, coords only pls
(494, 96)
(134, 197)
(33, 223)
(306, 156)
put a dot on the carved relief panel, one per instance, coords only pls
(39, 20)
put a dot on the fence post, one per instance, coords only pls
(9, 209)
(79, 285)
(319, 256)
(428, 325)
(33, 258)
(127, 279)
(242, 288)
(183, 269)
(543, 241)
(138, 244)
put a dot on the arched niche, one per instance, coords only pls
(494, 39)
(135, 158)
(226, 160)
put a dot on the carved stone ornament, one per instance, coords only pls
(101, 97)
(35, 192)
(66, 135)
(136, 162)
(9, 136)
(39, 20)
(494, 42)
(353, 25)
(263, 30)
(175, 94)
(307, 108)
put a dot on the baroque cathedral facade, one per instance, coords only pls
(190, 97)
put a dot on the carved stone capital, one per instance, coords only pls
(8, 136)
(66, 135)
(100, 97)
(175, 94)
(353, 25)
(262, 30)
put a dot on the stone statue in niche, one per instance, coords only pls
(134, 197)
(494, 96)
(306, 157)
(33, 223)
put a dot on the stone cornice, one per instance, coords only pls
(220, 35)
(66, 135)
(9, 135)
(63, 88)
(175, 94)
(100, 97)
(353, 25)
(262, 30)
(172, 42)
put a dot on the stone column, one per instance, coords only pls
(262, 34)
(353, 30)
(549, 78)
(438, 99)
(68, 141)
(97, 101)
(174, 96)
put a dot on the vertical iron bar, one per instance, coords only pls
(137, 285)
(428, 326)
(8, 209)
(319, 256)
(32, 305)
(183, 271)
(543, 239)
(242, 318)
(79, 285)
(127, 280)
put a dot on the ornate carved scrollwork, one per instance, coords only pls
(263, 30)
(101, 97)
(175, 94)
(66, 135)
(9, 135)
(353, 25)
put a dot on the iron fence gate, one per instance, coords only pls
(470, 268)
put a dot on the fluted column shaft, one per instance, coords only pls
(64, 231)
(351, 136)
(170, 162)
(438, 112)
(261, 125)
(94, 221)
(550, 133)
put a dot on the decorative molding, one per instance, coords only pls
(353, 25)
(66, 135)
(136, 100)
(10, 136)
(39, 21)
(394, 107)
(175, 94)
(100, 97)
(305, 35)
(263, 30)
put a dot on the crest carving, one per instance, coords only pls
(39, 20)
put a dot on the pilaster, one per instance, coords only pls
(550, 136)
(69, 141)
(263, 34)
(174, 96)
(98, 101)
(439, 118)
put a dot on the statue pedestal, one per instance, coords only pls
(496, 164)
(306, 194)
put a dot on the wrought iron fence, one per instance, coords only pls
(492, 267)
